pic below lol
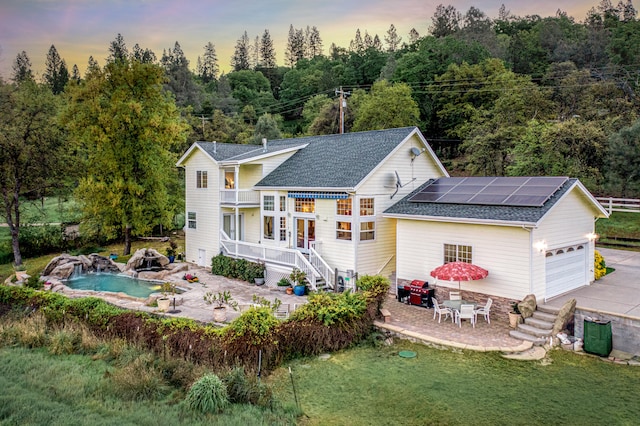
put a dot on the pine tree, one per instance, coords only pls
(255, 53)
(75, 74)
(145, 56)
(267, 52)
(22, 68)
(208, 68)
(118, 50)
(240, 58)
(56, 74)
(356, 45)
(314, 43)
(392, 39)
(295, 47)
(414, 36)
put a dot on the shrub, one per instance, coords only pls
(246, 390)
(222, 265)
(208, 395)
(34, 282)
(599, 266)
(332, 308)
(64, 342)
(138, 380)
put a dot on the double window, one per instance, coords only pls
(201, 179)
(191, 219)
(366, 224)
(274, 216)
(457, 253)
(367, 219)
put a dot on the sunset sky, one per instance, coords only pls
(80, 28)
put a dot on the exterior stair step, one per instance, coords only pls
(539, 323)
(544, 316)
(548, 309)
(534, 331)
(538, 341)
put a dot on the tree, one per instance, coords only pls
(31, 150)
(414, 36)
(267, 52)
(267, 127)
(22, 68)
(56, 74)
(127, 126)
(208, 69)
(623, 159)
(445, 21)
(295, 50)
(314, 43)
(392, 39)
(387, 106)
(240, 58)
(118, 50)
(75, 74)
(180, 79)
(357, 44)
(146, 56)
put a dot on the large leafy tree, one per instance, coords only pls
(623, 159)
(387, 106)
(127, 126)
(31, 150)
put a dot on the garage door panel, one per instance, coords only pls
(565, 271)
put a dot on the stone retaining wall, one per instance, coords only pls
(625, 330)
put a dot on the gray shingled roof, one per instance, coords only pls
(334, 161)
(477, 212)
(236, 152)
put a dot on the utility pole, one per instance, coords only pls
(203, 118)
(343, 105)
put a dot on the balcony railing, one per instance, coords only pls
(240, 197)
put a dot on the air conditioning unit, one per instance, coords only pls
(346, 281)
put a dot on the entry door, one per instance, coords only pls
(229, 225)
(202, 254)
(305, 233)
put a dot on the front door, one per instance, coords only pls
(305, 233)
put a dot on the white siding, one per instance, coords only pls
(271, 163)
(503, 251)
(337, 253)
(252, 225)
(205, 203)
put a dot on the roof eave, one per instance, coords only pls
(181, 161)
(263, 155)
(302, 189)
(470, 221)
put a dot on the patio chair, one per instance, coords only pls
(485, 311)
(282, 312)
(454, 295)
(439, 310)
(466, 312)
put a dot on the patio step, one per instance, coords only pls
(548, 309)
(533, 330)
(538, 341)
(539, 323)
(544, 316)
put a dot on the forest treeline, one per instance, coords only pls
(510, 95)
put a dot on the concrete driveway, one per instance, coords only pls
(618, 292)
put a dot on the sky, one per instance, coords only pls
(82, 28)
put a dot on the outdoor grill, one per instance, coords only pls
(417, 293)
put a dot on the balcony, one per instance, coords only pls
(240, 197)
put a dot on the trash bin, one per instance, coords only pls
(597, 337)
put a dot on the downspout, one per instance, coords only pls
(530, 258)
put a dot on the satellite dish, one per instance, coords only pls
(415, 151)
(399, 183)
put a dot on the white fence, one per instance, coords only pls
(620, 204)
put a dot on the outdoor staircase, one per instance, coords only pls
(537, 328)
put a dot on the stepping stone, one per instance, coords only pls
(536, 353)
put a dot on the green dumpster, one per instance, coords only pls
(597, 337)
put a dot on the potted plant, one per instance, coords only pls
(171, 251)
(285, 285)
(258, 269)
(515, 317)
(297, 277)
(220, 302)
(164, 302)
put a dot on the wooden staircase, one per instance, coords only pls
(537, 328)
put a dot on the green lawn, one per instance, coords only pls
(619, 225)
(368, 386)
(52, 210)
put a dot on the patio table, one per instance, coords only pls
(454, 305)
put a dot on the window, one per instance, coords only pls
(191, 217)
(366, 207)
(229, 179)
(283, 229)
(457, 253)
(268, 227)
(343, 230)
(305, 205)
(268, 203)
(283, 203)
(343, 207)
(367, 231)
(201, 179)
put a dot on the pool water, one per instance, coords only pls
(114, 283)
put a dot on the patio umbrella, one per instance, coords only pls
(459, 271)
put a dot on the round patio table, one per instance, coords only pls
(455, 304)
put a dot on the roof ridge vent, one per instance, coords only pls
(264, 144)
(214, 147)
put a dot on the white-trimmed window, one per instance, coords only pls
(343, 207)
(367, 219)
(229, 179)
(305, 205)
(201, 179)
(457, 253)
(268, 203)
(283, 203)
(283, 228)
(343, 230)
(268, 227)
(191, 219)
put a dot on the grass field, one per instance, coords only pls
(368, 386)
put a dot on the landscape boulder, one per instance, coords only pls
(528, 306)
(147, 259)
(564, 320)
(62, 267)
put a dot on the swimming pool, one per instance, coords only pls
(115, 284)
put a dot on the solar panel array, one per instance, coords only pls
(503, 191)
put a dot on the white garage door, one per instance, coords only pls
(566, 269)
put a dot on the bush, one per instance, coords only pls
(34, 283)
(246, 390)
(240, 269)
(332, 308)
(600, 267)
(208, 395)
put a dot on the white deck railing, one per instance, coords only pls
(281, 256)
(620, 204)
(239, 196)
(321, 266)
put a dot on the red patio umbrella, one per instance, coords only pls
(459, 271)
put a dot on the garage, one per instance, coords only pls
(566, 269)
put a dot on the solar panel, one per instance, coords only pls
(506, 191)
